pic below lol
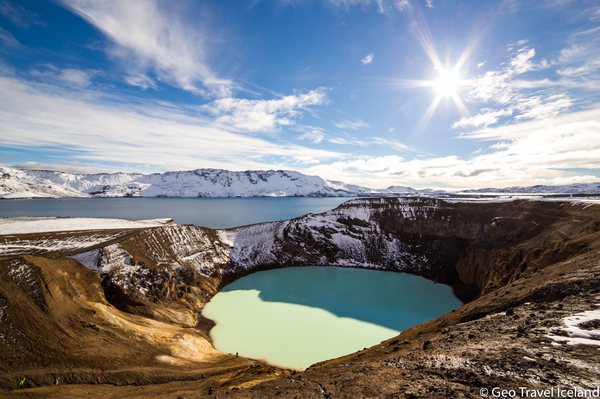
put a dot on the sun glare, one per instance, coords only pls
(447, 84)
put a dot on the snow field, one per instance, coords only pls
(31, 225)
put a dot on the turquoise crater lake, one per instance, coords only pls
(297, 316)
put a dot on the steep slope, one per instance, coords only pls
(474, 247)
(56, 322)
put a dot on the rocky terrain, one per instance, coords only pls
(125, 307)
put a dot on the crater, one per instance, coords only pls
(298, 316)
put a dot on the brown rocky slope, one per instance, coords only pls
(132, 315)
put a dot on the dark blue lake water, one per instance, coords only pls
(216, 213)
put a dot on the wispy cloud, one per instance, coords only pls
(526, 153)
(91, 128)
(503, 87)
(534, 107)
(485, 118)
(402, 5)
(69, 76)
(367, 60)
(590, 67)
(572, 52)
(148, 37)
(382, 6)
(140, 80)
(312, 133)
(522, 63)
(19, 15)
(66, 166)
(356, 125)
(395, 144)
(348, 141)
(7, 39)
(263, 115)
(496, 85)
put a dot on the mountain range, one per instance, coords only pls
(21, 183)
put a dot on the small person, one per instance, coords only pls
(98, 378)
(57, 379)
(21, 383)
(202, 376)
(236, 354)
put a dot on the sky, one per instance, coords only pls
(419, 93)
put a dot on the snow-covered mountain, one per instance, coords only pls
(19, 183)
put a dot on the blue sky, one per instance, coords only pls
(420, 93)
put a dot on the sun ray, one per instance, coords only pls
(407, 83)
(460, 105)
(428, 114)
(424, 36)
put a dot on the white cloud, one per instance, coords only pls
(140, 80)
(586, 69)
(150, 36)
(497, 85)
(7, 39)
(89, 129)
(429, 3)
(76, 77)
(574, 51)
(396, 145)
(491, 85)
(519, 43)
(535, 107)
(68, 76)
(367, 60)
(522, 62)
(503, 88)
(481, 64)
(402, 5)
(359, 124)
(500, 145)
(263, 115)
(70, 167)
(485, 118)
(347, 141)
(314, 134)
(527, 153)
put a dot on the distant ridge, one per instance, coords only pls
(577, 188)
(20, 183)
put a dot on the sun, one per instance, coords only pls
(447, 84)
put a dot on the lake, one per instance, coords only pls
(216, 213)
(297, 316)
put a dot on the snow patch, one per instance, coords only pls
(90, 259)
(577, 335)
